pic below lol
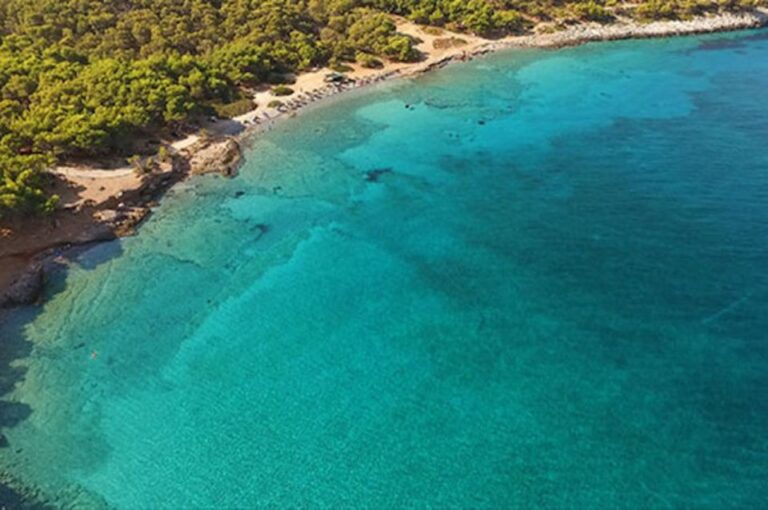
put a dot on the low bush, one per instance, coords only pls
(229, 110)
(282, 90)
(369, 61)
(341, 67)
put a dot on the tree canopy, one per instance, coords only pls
(84, 77)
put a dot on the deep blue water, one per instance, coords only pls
(543, 284)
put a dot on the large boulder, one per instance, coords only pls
(221, 155)
(26, 289)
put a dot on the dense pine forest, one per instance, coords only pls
(81, 78)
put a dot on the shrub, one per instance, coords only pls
(656, 9)
(139, 164)
(281, 79)
(369, 61)
(400, 47)
(282, 90)
(342, 68)
(233, 109)
(162, 154)
(433, 30)
(510, 21)
(22, 184)
(437, 18)
(592, 11)
(274, 103)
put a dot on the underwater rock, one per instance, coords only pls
(375, 174)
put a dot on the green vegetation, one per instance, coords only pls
(592, 11)
(434, 31)
(342, 68)
(233, 109)
(83, 78)
(282, 90)
(22, 181)
(368, 61)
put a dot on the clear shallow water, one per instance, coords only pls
(543, 285)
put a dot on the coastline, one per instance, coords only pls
(182, 173)
(104, 204)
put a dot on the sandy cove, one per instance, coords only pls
(100, 204)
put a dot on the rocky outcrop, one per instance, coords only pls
(28, 243)
(579, 34)
(26, 289)
(122, 221)
(221, 155)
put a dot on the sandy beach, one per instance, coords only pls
(102, 203)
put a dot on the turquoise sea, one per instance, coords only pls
(535, 280)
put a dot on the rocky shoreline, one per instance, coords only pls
(23, 267)
(580, 34)
(25, 259)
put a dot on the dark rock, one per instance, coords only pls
(26, 289)
(120, 223)
(375, 174)
(239, 194)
